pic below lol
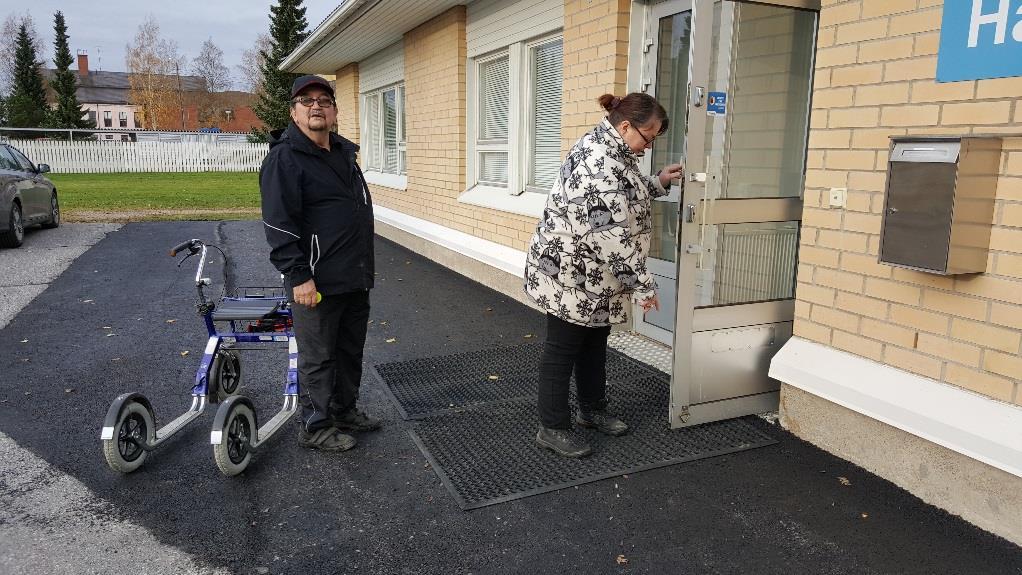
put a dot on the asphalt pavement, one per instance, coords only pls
(121, 318)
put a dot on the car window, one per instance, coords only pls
(21, 159)
(7, 161)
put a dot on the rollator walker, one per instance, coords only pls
(256, 315)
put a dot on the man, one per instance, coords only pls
(318, 218)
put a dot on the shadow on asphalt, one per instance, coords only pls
(379, 508)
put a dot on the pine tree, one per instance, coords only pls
(68, 113)
(26, 107)
(288, 29)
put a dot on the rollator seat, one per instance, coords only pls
(246, 309)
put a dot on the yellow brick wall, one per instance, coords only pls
(875, 77)
(435, 109)
(346, 94)
(595, 62)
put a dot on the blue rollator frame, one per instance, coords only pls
(256, 316)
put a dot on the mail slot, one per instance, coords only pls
(939, 203)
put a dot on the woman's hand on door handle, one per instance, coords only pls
(670, 173)
(649, 303)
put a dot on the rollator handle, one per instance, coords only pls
(191, 245)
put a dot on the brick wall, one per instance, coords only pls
(346, 94)
(595, 62)
(435, 60)
(875, 70)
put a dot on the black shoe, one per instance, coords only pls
(602, 421)
(354, 420)
(562, 442)
(325, 439)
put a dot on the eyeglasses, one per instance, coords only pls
(649, 141)
(307, 101)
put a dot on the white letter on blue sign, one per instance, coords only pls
(1000, 18)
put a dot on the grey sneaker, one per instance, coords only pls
(562, 442)
(354, 420)
(602, 421)
(325, 439)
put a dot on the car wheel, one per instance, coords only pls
(15, 234)
(54, 212)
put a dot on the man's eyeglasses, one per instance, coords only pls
(307, 101)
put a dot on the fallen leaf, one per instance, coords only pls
(528, 336)
(184, 353)
(392, 340)
(383, 323)
(68, 390)
(493, 377)
(865, 515)
(116, 359)
(400, 279)
(844, 481)
(406, 263)
(371, 321)
(489, 309)
(622, 560)
(107, 327)
(111, 334)
(24, 340)
(86, 301)
(171, 320)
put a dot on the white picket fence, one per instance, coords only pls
(89, 157)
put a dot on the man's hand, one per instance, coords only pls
(305, 293)
(649, 303)
(671, 172)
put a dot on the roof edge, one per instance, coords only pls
(320, 34)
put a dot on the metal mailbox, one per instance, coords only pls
(939, 203)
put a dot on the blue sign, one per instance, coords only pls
(980, 39)
(716, 104)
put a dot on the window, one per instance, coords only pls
(384, 130)
(107, 119)
(92, 118)
(7, 161)
(138, 120)
(122, 119)
(516, 138)
(26, 165)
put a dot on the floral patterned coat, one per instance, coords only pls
(588, 255)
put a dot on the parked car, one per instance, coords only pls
(27, 198)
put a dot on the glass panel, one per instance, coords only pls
(372, 135)
(671, 91)
(768, 108)
(390, 159)
(748, 262)
(493, 96)
(547, 74)
(7, 161)
(401, 115)
(493, 168)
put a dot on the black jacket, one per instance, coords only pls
(317, 212)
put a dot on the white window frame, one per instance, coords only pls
(520, 93)
(373, 174)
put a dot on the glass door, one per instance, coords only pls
(745, 149)
(667, 60)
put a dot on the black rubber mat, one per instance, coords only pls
(478, 434)
(435, 385)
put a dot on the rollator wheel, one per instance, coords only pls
(134, 426)
(226, 374)
(235, 450)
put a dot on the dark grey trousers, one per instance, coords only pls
(571, 347)
(331, 338)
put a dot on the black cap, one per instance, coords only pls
(303, 82)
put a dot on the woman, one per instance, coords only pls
(587, 259)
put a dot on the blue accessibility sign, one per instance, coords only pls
(716, 104)
(980, 39)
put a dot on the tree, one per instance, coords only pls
(209, 65)
(153, 64)
(251, 67)
(68, 113)
(9, 45)
(288, 29)
(27, 105)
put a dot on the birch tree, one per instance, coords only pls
(209, 65)
(154, 67)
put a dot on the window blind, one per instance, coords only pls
(547, 64)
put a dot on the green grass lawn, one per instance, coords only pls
(235, 193)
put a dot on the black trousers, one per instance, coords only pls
(570, 347)
(331, 338)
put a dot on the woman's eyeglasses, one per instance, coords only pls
(307, 101)
(649, 141)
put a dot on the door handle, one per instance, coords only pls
(690, 213)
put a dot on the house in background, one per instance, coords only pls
(105, 96)
(785, 266)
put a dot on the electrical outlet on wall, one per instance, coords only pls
(838, 197)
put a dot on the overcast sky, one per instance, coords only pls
(103, 28)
